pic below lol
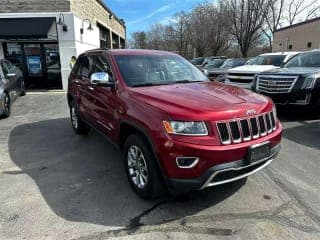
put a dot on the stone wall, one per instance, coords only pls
(24, 6)
(96, 12)
(298, 37)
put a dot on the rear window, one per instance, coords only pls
(309, 59)
(275, 60)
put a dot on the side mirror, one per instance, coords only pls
(101, 78)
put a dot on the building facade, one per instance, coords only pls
(298, 37)
(41, 36)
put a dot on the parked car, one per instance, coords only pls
(197, 61)
(176, 129)
(243, 76)
(218, 73)
(11, 86)
(209, 60)
(298, 82)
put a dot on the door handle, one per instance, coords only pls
(91, 88)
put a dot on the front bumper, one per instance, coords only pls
(222, 173)
(301, 97)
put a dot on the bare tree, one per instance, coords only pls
(301, 8)
(247, 18)
(139, 40)
(218, 33)
(273, 19)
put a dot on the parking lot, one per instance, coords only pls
(57, 185)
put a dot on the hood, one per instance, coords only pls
(252, 69)
(200, 101)
(218, 70)
(294, 71)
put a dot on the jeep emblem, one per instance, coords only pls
(250, 112)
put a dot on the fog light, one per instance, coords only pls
(187, 162)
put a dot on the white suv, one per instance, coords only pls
(244, 75)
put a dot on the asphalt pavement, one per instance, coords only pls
(57, 185)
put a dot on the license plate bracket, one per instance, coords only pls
(258, 152)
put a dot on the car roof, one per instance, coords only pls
(132, 52)
(278, 53)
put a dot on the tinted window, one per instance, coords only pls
(6, 68)
(83, 66)
(101, 64)
(309, 59)
(157, 69)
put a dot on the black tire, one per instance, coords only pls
(7, 105)
(79, 126)
(315, 109)
(22, 88)
(154, 186)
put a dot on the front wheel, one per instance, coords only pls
(78, 125)
(141, 167)
(6, 105)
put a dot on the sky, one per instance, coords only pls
(139, 15)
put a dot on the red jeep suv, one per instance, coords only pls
(177, 130)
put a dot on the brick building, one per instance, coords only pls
(41, 36)
(298, 37)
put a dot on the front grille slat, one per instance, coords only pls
(224, 133)
(235, 131)
(240, 130)
(276, 84)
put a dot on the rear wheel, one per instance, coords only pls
(6, 105)
(22, 88)
(78, 125)
(142, 170)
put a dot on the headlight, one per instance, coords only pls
(205, 72)
(186, 128)
(310, 81)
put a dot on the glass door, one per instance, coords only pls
(52, 65)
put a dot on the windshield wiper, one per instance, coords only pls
(147, 84)
(187, 81)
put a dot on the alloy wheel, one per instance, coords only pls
(74, 118)
(6, 103)
(137, 167)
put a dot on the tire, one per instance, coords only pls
(7, 105)
(22, 88)
(149, 183)
(78, 125)
(315, 109)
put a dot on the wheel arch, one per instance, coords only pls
(128, 128)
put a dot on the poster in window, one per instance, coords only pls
(34, 66)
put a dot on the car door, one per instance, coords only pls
(104, 100)
(9, 79)
(80, 79)
(15, 76)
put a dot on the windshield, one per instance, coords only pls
(142, 70)
(309, 59)
(197, 61)
(275, 60)
(215, 63)
(227, 64)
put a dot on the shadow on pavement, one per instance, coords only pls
(83, 179)
(306, 133)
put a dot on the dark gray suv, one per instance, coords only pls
(11, 86)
